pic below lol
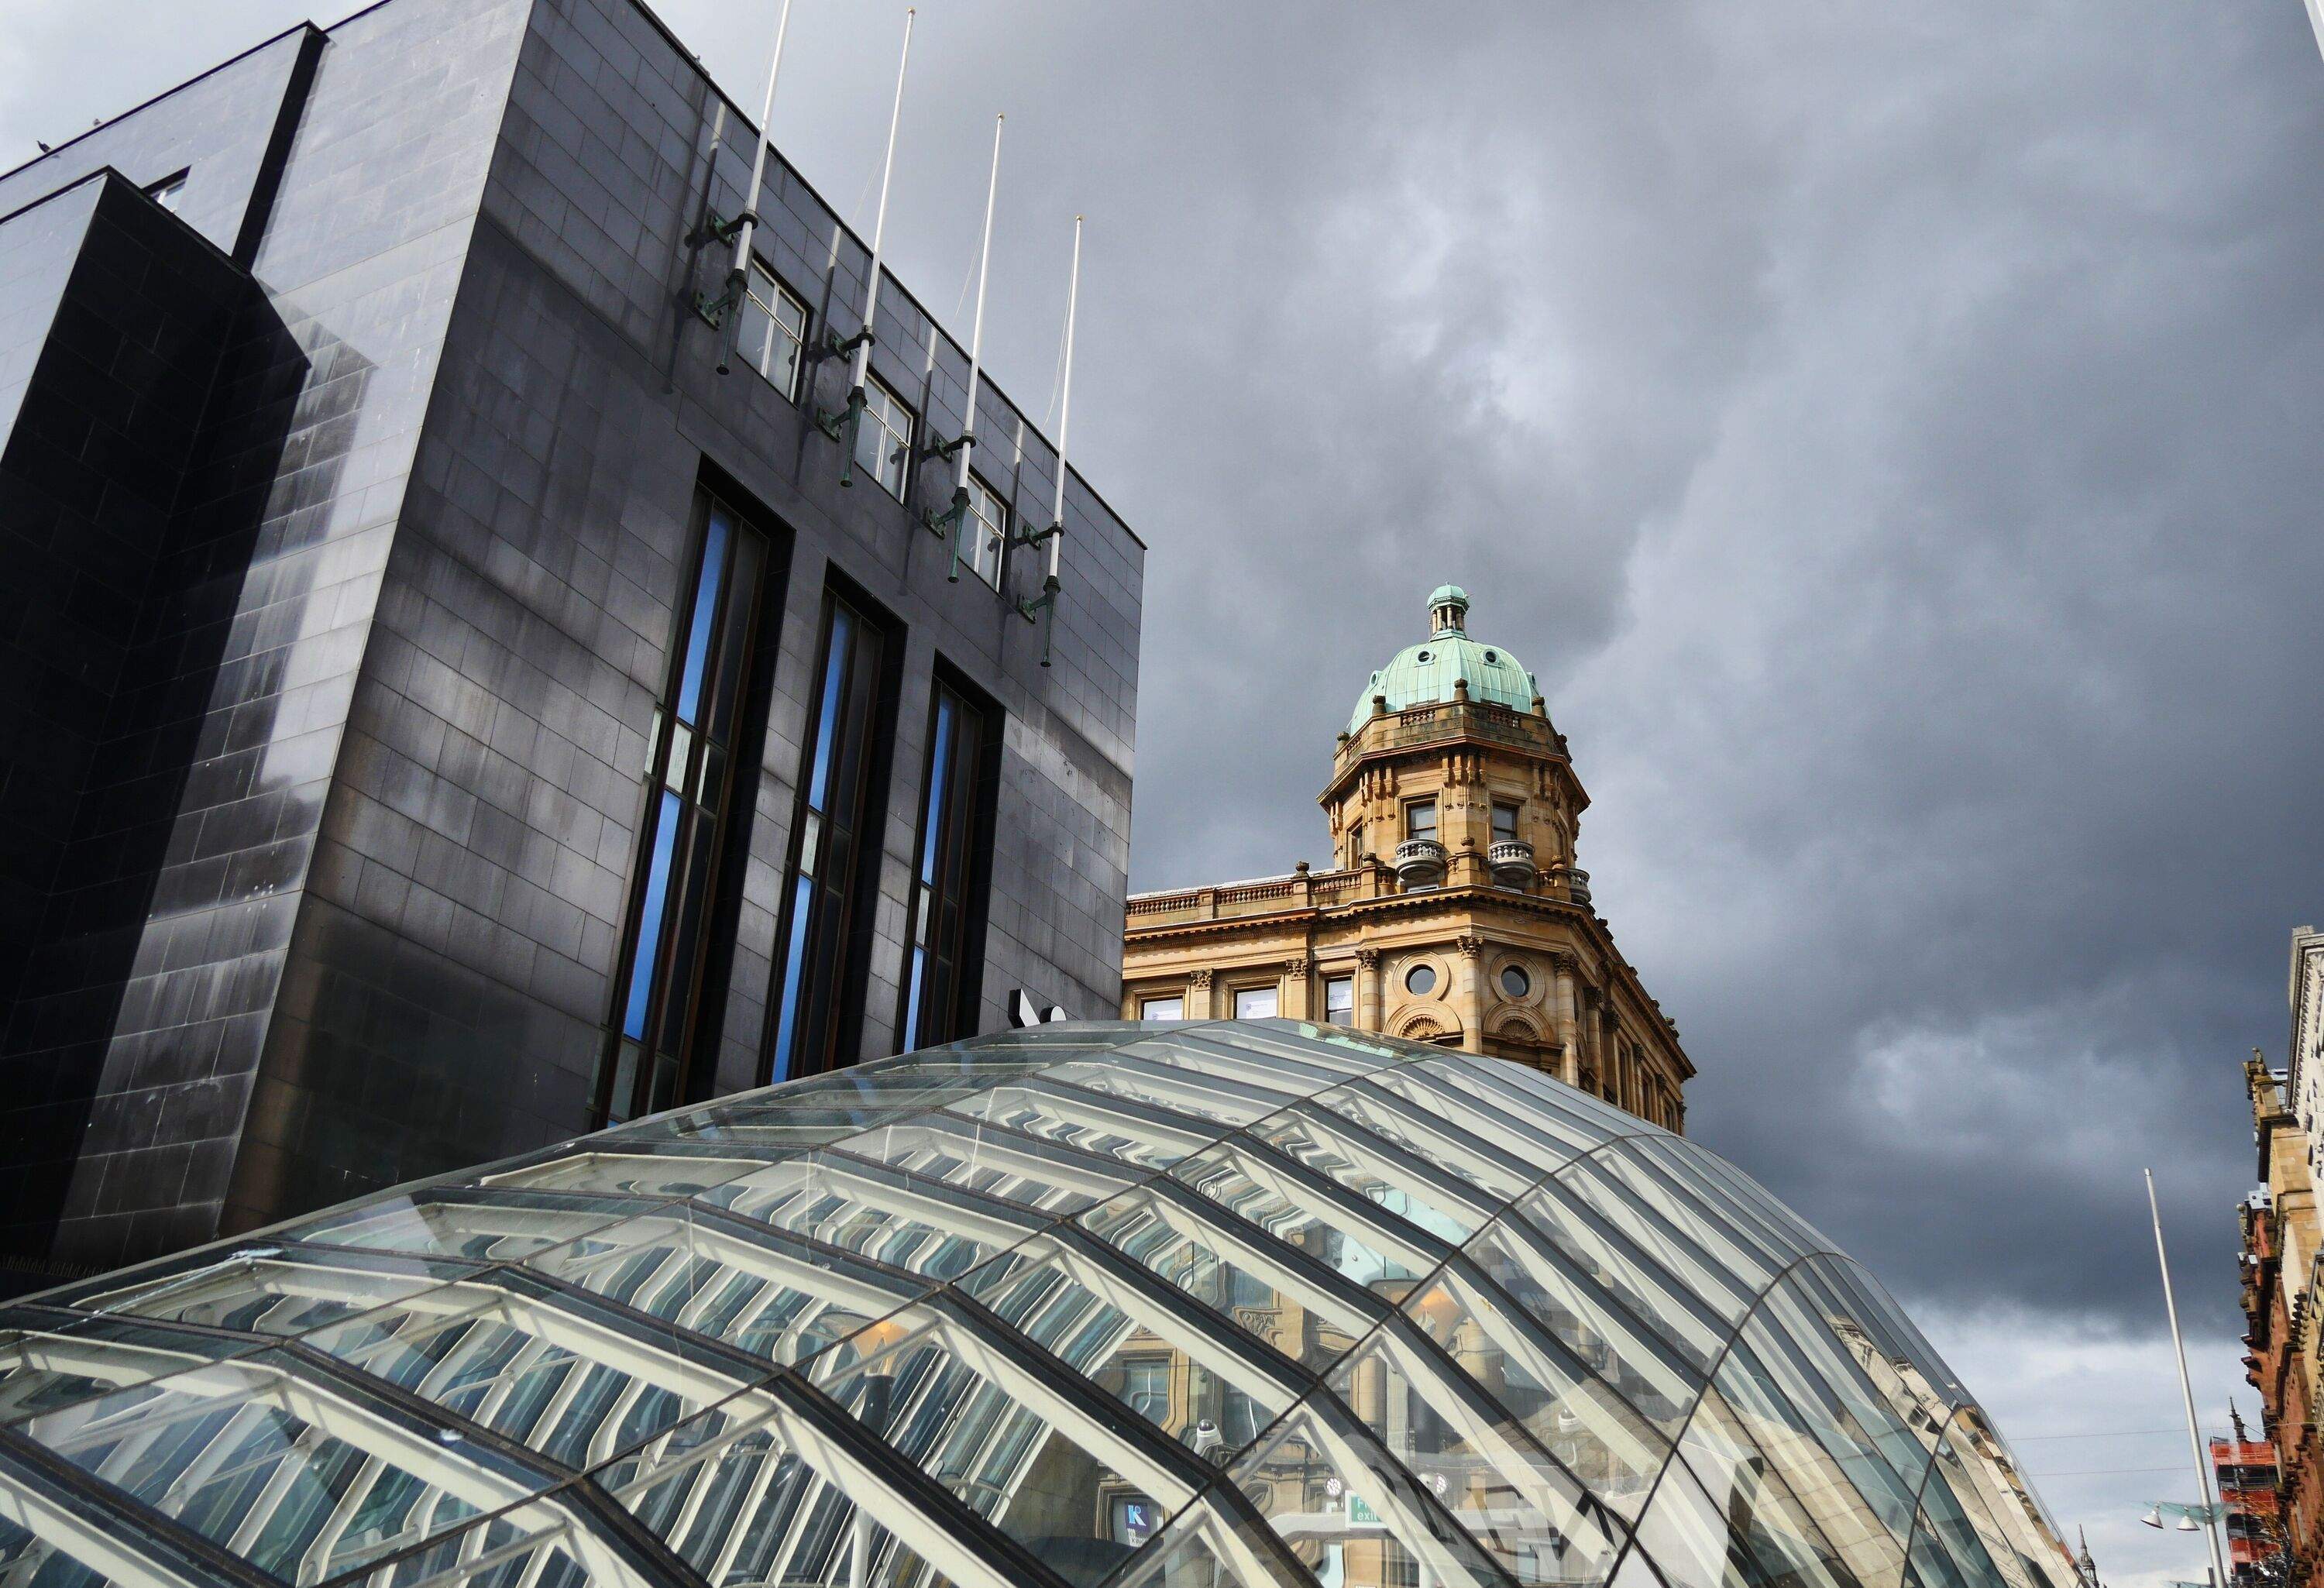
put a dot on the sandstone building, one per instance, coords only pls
(1453, 912)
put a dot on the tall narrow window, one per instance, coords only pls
(1505, 822)
(644, 1066)
(837, 806)
(1339, 1001)
(773, 330)
(1420, 819)
(948, 919)
(883, 441)
(984, 532)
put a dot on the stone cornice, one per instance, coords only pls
(1435, 901)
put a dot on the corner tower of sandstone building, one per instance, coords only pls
(1453, 911)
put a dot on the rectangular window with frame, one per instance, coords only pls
(883, 441)
(1339, 1001)
(840, 804)
(645, 1065)
(169, 190)
(1255, 1003)
(1504, 821)
(1172, 1008)
(773, 335)
(1146, 1386)
(946, 925)
(1420, 819)
(1355, 845)
(984, 532)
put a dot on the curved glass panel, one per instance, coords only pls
(1085, 1307)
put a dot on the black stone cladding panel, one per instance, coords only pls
(104, 430)
(381, 723)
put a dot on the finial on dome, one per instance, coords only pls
(1448, 609)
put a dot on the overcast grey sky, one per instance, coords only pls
(1889, 432)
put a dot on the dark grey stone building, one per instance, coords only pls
(438, 712)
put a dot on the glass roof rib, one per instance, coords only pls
(1074, 1307)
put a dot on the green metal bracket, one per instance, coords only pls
(715, 230)
(841, 427)
(946, 526)
(1034, 537)
(1043, 610)
(836, 346)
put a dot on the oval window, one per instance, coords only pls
(1420, 981)
(1515, 982)
(1490, 656)
(1422, 657)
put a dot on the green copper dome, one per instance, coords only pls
(1425, 674)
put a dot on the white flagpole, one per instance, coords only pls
(879, 216)
(2194, 1439)
(1065, 405)
(741, 272)
(976, 325)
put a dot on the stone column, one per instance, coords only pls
(1298, 988)
(1368, 990)
(1200, 1001)
(1469, 997)
(1565, 1018)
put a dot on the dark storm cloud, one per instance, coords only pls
(1890, 432)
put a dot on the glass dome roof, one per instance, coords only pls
(1166, 1305)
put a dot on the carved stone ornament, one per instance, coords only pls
(1200, 978)
(1470, 946)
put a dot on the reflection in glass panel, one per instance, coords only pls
(841, 799)
(1321, 1230)
(1275, 1298)
(1482, 1465)
(957, 801)
(289, 1471)
(1566, 1410)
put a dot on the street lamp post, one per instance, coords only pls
(2186, 1390)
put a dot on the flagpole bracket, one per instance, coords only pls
(721, 232)
(713, 311)
(841, 427)
(1034, 537)
(945, 527)
(1043, 610)
(947, 449)
(834, 346)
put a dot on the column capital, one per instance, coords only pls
(1470, 945)
(1201, 977)
(1367, 957)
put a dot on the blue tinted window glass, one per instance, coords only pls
(939, 766)
(705, 608)
(834, 671)
(912, 1001)
(802, 897)
(642, 968)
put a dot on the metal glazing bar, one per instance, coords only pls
(106, 1531)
